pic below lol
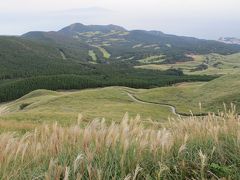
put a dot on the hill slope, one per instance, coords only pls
(187, 97)
(20, 57)
(111, 103)
(130, 46)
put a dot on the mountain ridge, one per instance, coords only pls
(79, 27)
(122, 45)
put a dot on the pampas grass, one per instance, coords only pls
(185, 148)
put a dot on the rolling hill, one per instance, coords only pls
(186, 97)
(64, 106)
(157, 103)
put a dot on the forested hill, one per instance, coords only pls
(21, 58)
(80, 56)
(111, 43)
(27, 65)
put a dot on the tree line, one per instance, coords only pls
(16, 88)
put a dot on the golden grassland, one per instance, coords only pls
(183, 148)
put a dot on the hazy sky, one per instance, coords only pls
(208, 19)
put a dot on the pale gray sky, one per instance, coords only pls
(208, 19)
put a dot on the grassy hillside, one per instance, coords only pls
(111, 103)
(187, 97)
(44, 105)
(192, 148)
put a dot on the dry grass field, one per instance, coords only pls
(183, 148)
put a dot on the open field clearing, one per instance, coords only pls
(106, 55)
(152, 59)
(211, 64)
(93, 56)
(192, 148)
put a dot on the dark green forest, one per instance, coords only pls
(116, 76)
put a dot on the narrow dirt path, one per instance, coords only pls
(173, 108)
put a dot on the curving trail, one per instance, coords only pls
(173, 108)
(4, 106)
